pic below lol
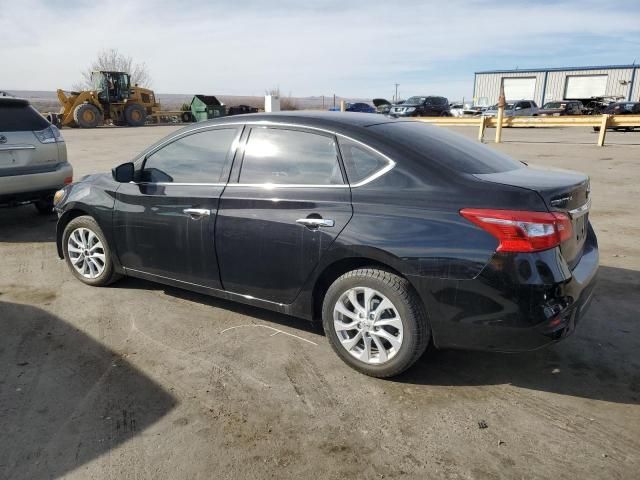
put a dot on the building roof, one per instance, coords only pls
(560, 69)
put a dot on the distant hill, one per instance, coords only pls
(46, 101)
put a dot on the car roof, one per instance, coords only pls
(310, 118)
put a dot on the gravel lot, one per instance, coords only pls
(145, 381)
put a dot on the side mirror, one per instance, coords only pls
(123, 173)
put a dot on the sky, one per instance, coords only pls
(355, 48)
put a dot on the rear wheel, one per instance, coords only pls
(87, 252)
(135, 115)
(375, 322)
(87, 116)
(186, 117)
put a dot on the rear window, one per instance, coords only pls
(447, 148)
(18, 117)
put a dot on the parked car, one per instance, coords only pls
(394, 233)
(514, 108)
(561, 108)
(621, 108)
(597, 105)
(382, 105)
(427, 106)
(241, 110)
(33, 156)
(474, 110)
(465, 110)
(456, 109)
(360, 107)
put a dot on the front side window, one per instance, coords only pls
(360, 162)
(279, 156)
(196, 158)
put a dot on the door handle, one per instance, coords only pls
(197, 213)
(316, 222)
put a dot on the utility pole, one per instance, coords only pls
(395, 98)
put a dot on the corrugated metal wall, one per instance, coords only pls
(488, 84)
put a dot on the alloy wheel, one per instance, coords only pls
(368, 325)
(86, 253)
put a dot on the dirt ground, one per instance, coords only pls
(144, 381)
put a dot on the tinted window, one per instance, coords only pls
(290, 157)
(197, 158)
(20, 116)
(446, 148)
(524, 105)
(360, 161)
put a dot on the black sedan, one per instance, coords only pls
(394, 233)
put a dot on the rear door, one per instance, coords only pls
(287, 205)
(164, 223)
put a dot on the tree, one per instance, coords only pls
(112, 60)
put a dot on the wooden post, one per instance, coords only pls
(501, 104)
(603, 129)
(343, 106)
(483, 125)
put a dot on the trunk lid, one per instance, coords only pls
(562, 191)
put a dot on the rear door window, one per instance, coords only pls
(360, 162)
(196, 158)
(16, 116)
(283, 156)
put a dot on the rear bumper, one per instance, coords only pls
(23, 188)
(518, 302)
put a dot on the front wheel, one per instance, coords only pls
(375, 322)
(87, 253)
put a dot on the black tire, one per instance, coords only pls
(596, 129)
(44, 206)
(87, 116)
(109, 274)
(186, 117)
(135, 115)
(416, 333)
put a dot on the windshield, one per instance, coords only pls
(415, 100)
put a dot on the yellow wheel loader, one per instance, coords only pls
(112, 98)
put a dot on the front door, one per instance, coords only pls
(165, 222)
(289, 204)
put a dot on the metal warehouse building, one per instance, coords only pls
(543, 85)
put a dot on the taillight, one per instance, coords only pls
(68, 180)
(51, 134)
(521, 231)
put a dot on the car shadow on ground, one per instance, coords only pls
(65, 399)
(25, 224)
(601, 361)
(235, 307)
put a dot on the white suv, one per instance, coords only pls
(33, 156)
